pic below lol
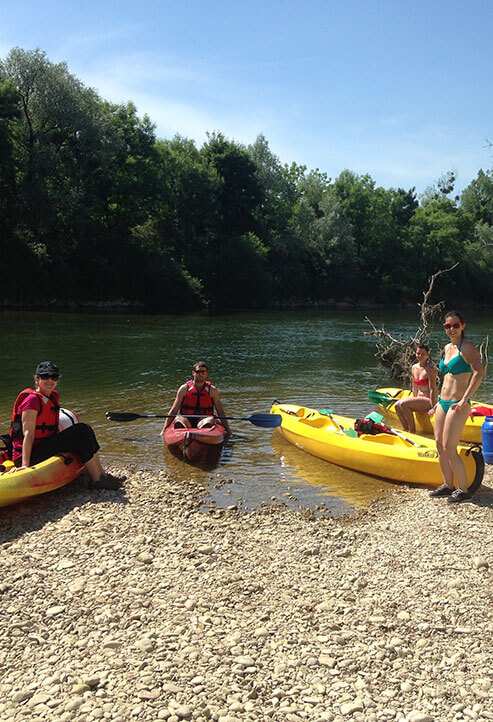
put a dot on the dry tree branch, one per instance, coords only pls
(398, 355)
(428, 312)
(484, 352)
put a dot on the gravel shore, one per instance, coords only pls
(137, 605)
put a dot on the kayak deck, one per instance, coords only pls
(198, 446)
(39, 479)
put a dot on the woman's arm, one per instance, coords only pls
(432, 379)
(414, 388)
(29, 417)
(471, 355)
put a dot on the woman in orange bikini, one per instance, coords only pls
(424, 389)
(462, 375)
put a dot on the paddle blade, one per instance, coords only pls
(376, 397)
(375, 416)
(121, 416)
(268, 421)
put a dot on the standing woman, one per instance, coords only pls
(35, 435)
(424, 388)
(462, 375)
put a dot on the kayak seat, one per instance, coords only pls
(318, 422)
(290, 412)
(389, 439)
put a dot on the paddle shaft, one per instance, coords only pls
(328, 412)
(265, 420)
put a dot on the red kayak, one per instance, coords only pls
(200, 447)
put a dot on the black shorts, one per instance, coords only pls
(79, 439)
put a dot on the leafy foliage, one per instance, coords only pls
(94, 208)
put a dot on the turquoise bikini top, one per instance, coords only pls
(456, 365)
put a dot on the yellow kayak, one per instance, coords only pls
(424, 423)
(413, 459)
(45, 476)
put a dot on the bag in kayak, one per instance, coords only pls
(367, 426)
(5, 448)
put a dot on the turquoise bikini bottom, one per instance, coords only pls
(446, 405)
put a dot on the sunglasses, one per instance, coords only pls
(200, 371)
(53, 377)
(448, 326)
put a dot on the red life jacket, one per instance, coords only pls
(197, 402)
(47, 420)
(368, 426)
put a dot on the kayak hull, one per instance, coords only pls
(39, 479)
(424, 423)
(414, 460)
(200, 447)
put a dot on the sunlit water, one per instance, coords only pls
(136, 363)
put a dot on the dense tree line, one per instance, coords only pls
(93, 207)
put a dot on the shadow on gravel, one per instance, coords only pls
(483, 497)
(28, 516)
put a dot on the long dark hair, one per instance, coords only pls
(459, 316)
(426, 348)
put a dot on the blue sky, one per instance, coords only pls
(399, 90)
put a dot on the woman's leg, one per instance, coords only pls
(94, 467)
(405, 408)
(81, 440)
(452, 430)
(438, 429)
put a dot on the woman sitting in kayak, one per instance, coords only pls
(197, 397)
(462, 375)
(424, 388)
(35, 435)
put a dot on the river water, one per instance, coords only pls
(135, 363)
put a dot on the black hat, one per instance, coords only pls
(46, 367)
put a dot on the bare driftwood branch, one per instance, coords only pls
(484, 352)
(397, 354)
(428, 312)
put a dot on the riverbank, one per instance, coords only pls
(140, 606)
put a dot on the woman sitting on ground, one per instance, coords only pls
(424, 388)
(35, 435)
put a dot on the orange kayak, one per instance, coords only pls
(45, 476)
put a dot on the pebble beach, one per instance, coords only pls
(144, 605)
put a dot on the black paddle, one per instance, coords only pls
(268, 421)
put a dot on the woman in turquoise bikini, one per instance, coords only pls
(462, 375)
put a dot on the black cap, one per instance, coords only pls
(46, 367)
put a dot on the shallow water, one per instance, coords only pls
(136, 363)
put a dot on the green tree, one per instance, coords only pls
(240, 274)
(477, 198)
(439, 237)
(239, 192)
(324, 233)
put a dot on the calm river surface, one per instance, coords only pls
(136, 363)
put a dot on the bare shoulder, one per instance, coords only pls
(431, 369)
(469, 349)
